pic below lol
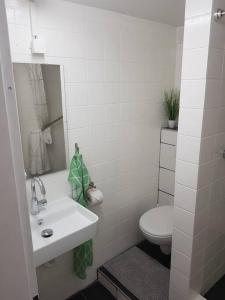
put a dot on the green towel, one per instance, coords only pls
(80, 180)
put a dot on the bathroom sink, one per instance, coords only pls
(71, 224)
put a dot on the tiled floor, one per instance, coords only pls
(94, 292)
(217, 292)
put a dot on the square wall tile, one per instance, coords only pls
(211, 121)
(77, 117)
(199, 241)
(218, 3)
(188, 148)
(205, 173)
(202, 199)
(217, 36)
(98, 114)
(195, 64)
(111, 92)
(182, 242)
(184, 221)
(95, 70)
(197, 263)
(80, 136)
(197, 31)
(75, 70)
(213, 93)
(95, 93)
(185, 198)
(94, 40)
(201, 221)
(187, 174)
(111, 44)
(76, 94)
(73, 43)
(192, 93)
(181, 262)
(127, 70)
(111, 71)
(207, 149)
(19, 37)
(195, 8)
(190, 122)
(215, 63)
(180, 284)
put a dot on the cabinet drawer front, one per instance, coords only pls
(166, 181)
(168, 157)
(165, 199)
(169, 136)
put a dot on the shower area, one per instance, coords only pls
(198, 256)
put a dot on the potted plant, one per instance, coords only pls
(171, 101)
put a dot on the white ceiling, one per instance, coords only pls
(165, 11)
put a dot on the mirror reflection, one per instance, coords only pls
(39, 101)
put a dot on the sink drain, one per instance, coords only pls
(47, 233)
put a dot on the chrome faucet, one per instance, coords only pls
(35, 203)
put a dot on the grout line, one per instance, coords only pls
(165, 193)
(161, 167)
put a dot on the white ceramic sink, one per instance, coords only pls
(72, 224)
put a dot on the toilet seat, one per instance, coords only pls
(158, 222)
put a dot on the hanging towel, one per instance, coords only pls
(80, 180)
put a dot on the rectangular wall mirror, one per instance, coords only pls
(40, 108)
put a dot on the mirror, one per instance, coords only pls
(40, 109)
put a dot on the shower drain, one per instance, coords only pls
(47, 233)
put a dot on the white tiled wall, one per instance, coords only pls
(179, 54)
(199, 228)
(116, 68)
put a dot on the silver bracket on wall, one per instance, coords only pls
(223, 153)
(219, 14)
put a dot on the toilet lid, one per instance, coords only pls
(158, 221)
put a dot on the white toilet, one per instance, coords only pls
(157, 225)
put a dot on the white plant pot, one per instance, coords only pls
(172, 124)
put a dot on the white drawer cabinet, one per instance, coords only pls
(168, 156)
(165, 199)
(169, 136)
(166, 181)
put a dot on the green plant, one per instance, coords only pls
(171, 101)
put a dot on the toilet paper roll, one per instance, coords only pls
(95, 196)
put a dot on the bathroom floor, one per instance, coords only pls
(96, 291)
(217, 292)
(155, 252)
(120, 276)
(136, 275)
